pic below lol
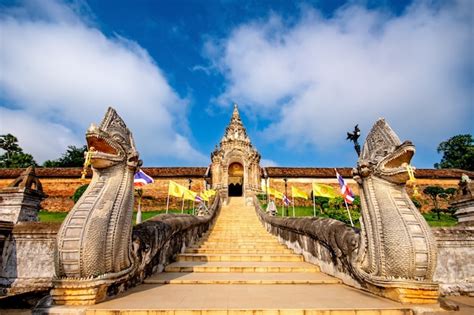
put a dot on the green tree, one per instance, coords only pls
(9, 143)
(434, 192)
(73, 157)
(79, 192)
(458, 152)
(321, 202)
(14, 157)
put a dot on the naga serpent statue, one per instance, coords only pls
(397, 248)
(94, 241)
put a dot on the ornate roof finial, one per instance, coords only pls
(235, 130)
(235, 113)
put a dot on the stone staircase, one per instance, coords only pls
(238, 267)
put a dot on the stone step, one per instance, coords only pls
(238, 251)
(222, 266)
(281, 299)
(239, 257)
(243, 242)
(241, 278)
(239, 246)
(238, 239)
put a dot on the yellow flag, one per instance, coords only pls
(204, 196)
(324, 191)
(176, 190)
(208, 193)
(297, 193)
(189, 195)
(275, 193)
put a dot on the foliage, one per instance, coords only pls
(336, 203)
(14, 157)
(73, 157)
(458, 152)
(321, 202)
(46, 216)
(443, 220)
(435, 192)
(417, 203)
(78, 193)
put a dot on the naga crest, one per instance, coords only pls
(94, 240)
(397, 247)
(111, 143)
(385, 155)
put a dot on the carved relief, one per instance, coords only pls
(397, 246)
(235, 151)
(95, 238)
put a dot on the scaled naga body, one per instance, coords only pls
(397, 247)
(95, 238)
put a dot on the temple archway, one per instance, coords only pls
(235, 179)
(235, 163)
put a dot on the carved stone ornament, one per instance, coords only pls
(397, 253)
(94, 242)
(21, 199)
(235, 151)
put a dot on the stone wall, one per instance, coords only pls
(27, 263)
(455, 268)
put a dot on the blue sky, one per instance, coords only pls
(303, 73)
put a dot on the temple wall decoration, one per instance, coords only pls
(235, 163)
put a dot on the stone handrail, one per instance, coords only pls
(157, 241)
(329, 243)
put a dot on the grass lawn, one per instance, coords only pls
(46, 216)
(338, 214)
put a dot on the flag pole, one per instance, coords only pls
(182, 204)
(193, 207)
(139, 211)
(293, 203)
(282, 205)
(348, 212)
(314, 204)
(168, 202)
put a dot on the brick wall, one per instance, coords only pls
(60, 184)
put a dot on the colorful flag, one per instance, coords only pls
(297, 193)
(176, 190)
(345, 190)
(208, 193)
(198, 198)
(275, 193)
(323, 190)
(204, 196)
(286, 201)
(141, 179)
(189, 195)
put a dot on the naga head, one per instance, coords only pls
(384, 155)
(111, 143)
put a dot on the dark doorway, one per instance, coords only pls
(235, 190)
(236, 179)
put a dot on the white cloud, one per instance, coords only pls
(29, 129)
(62, 73)
(268, 163)
(317, 78)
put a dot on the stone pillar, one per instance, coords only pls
(20, 201)
(464, 202)
(465, 211)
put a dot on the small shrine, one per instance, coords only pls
(235, 163)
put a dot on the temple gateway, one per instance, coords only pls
(235, 163)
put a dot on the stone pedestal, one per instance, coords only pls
(20, 204)
(465, 212)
